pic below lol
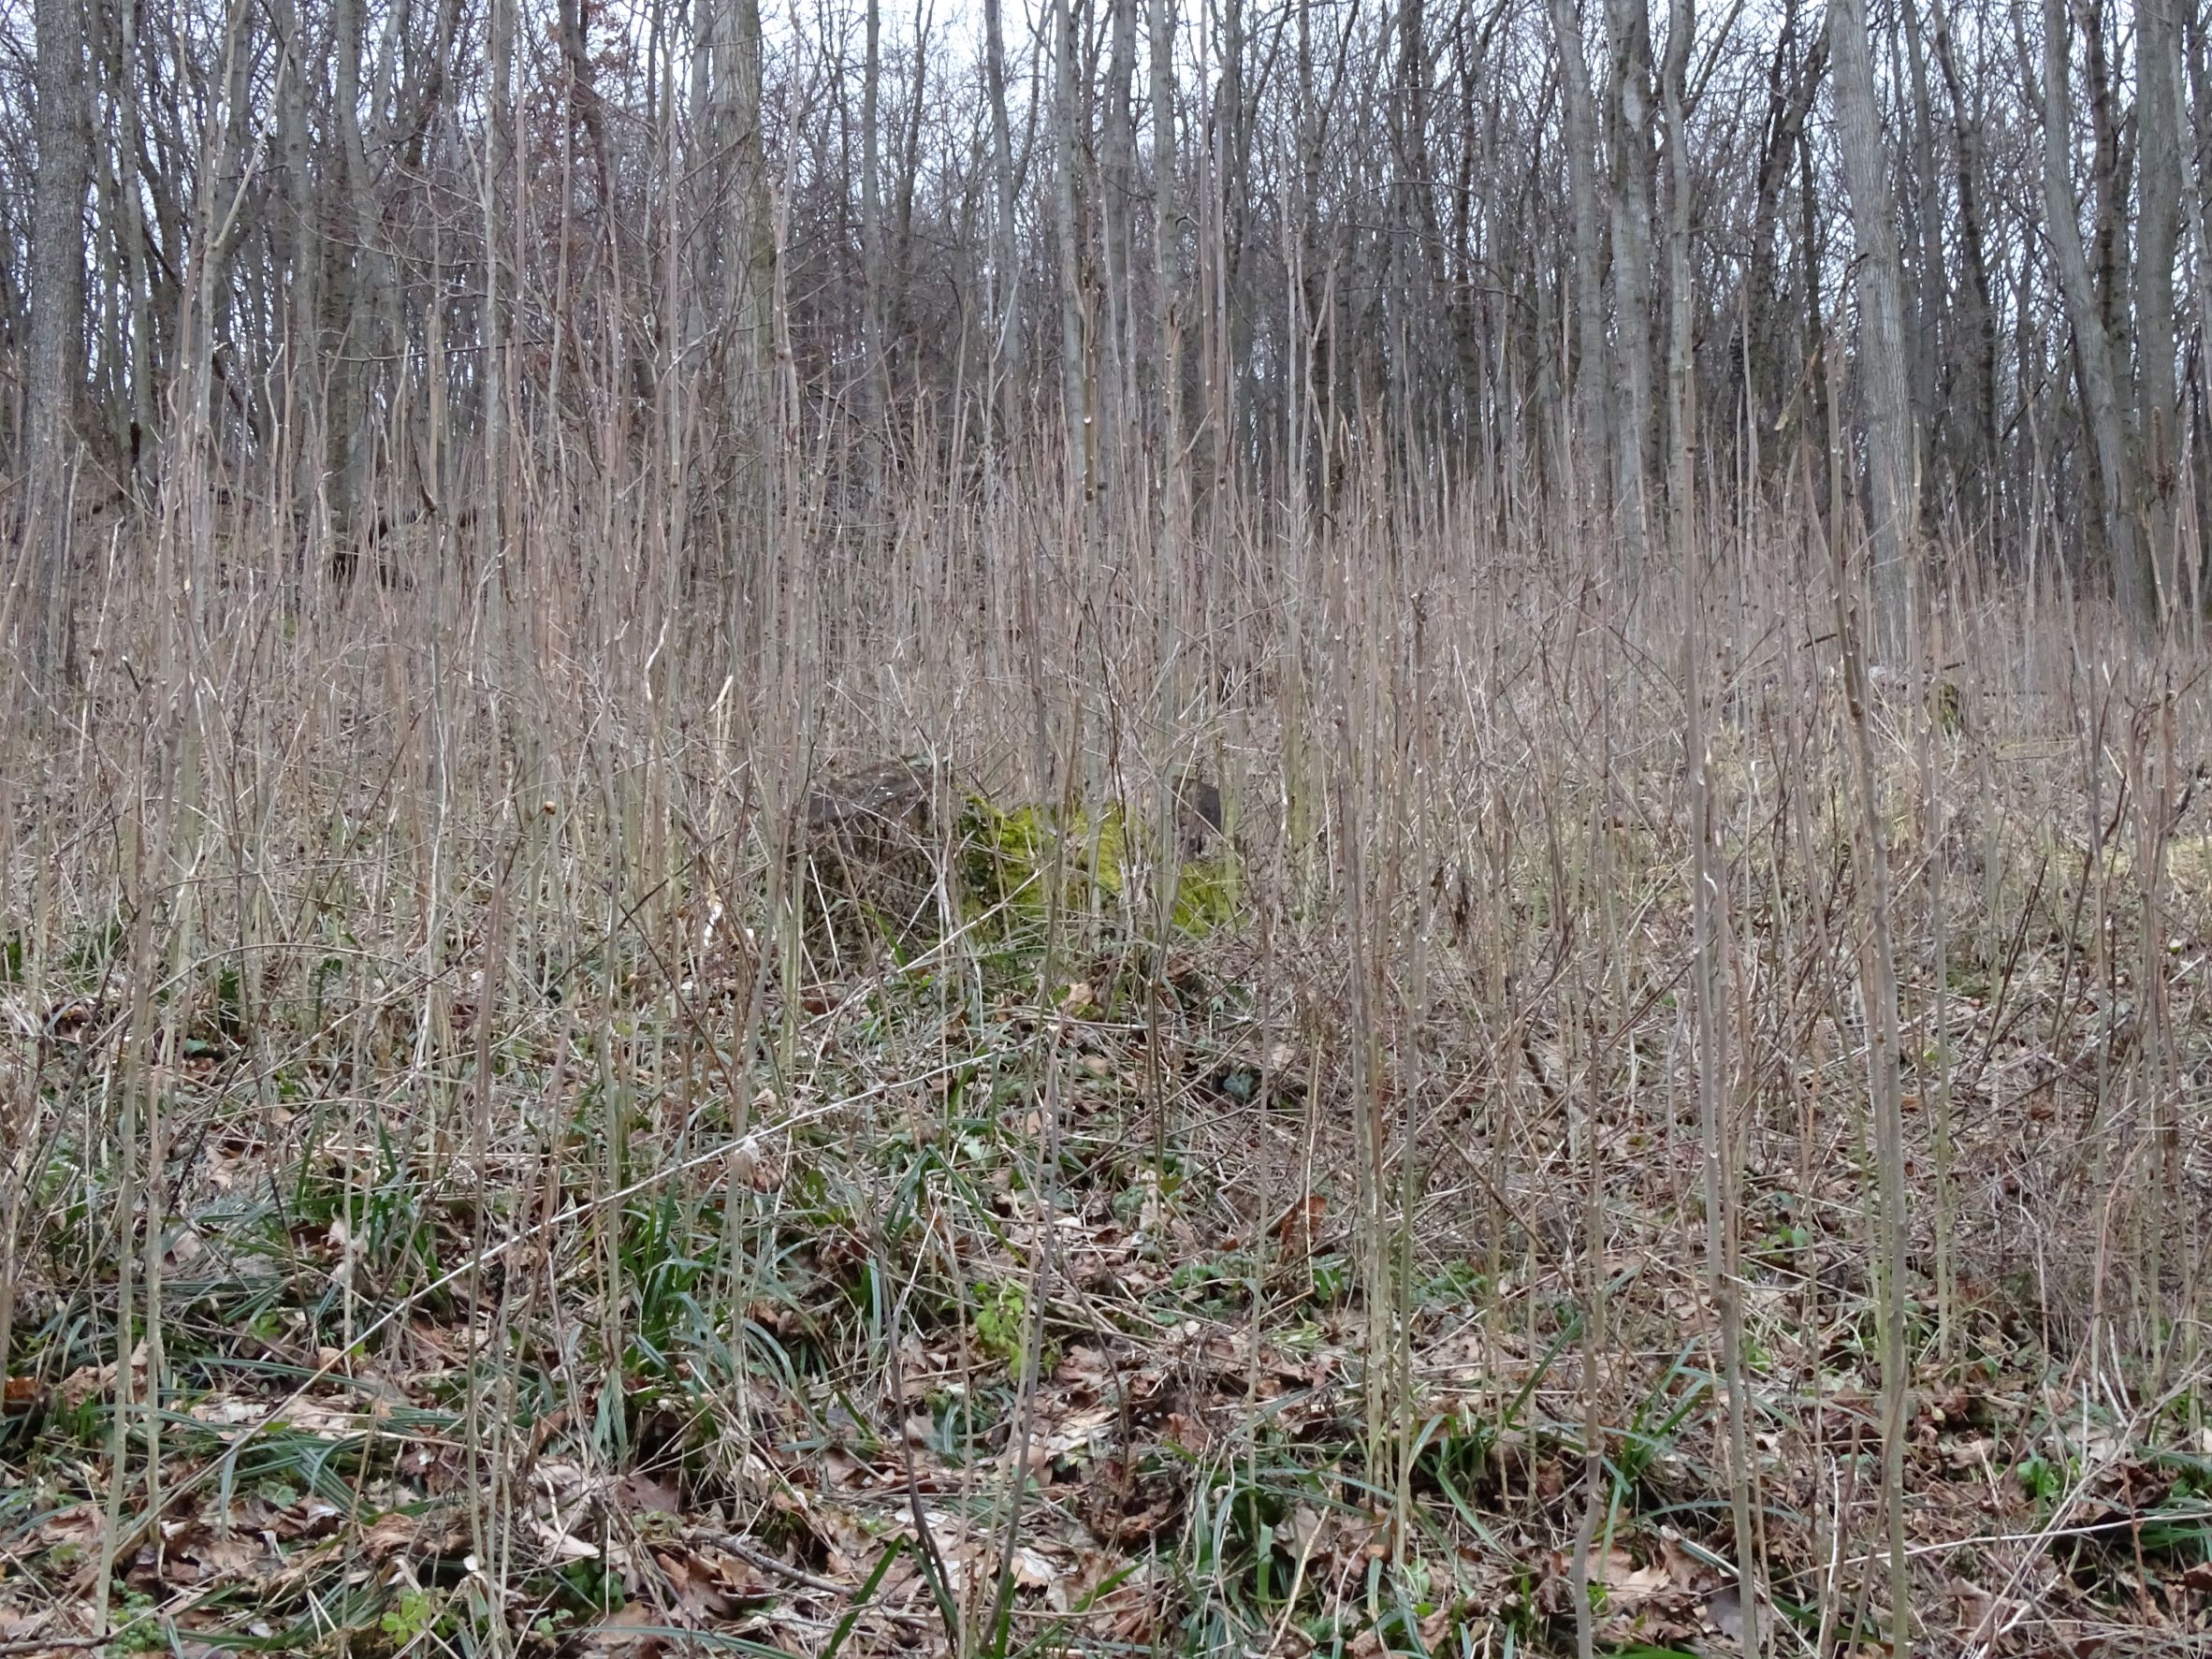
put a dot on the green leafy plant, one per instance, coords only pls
(2043, 1479)
(140, 1631)
(1002, 1324)
(663, 1268)
(417, 1613)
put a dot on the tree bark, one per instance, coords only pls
(2093, 345)
(63, 175)
(874, 366)
(1879, 283)
(1630, 114)
(141, 426)
(1975, 338)
(748, 243)
(1681, 419)
(353, 295)
(1593, 382)
(1932, 281)
(499, 163)
(1115, 207)
(1075, 409)
(2158, 79)
(299, 252)
(1166, 227)
(1006, 256)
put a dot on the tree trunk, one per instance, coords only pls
(300, 253)
(1931, 285)
(142, 425)
(1115, 209)
(1768, 375)
(874, 366)
(910, 173)
(353, 286)
(498, 371)
(1074, 402)
(57, 329)
(751, 270)
(1006, 256)
(1166, 227)
(1881, 323)
(1593, 421)
(2158, 79)
(1681, 419)
(1976, 344)
(2092, 346)
(1630, 112)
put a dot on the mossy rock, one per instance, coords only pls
(1207, 893)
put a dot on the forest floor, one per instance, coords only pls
(386, 1423)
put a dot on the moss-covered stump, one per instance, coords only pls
(1011, 858)
(887, 846)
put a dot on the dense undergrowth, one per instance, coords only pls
(489, 1174)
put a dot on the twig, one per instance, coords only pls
(768, 1563)
(932, 1559)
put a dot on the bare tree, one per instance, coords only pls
(2157, 134)
(874, 367)
(1974, 377)
(1074, 392)
(41, 599)
(1116, 197)
(742, 231)
(1447, 228)
(2093, 348)
(1579, 132)
(1630, 113)
(1006, 258)
(1880, 282)
(1166, 226)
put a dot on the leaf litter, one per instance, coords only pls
(869, 1440)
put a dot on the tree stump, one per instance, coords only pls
(1197, 812)
(876, 839)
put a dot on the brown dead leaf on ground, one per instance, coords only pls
(633, 1629)
(434, 1533)
(641, 1493)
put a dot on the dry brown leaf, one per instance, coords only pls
(1627, 1586)
(628, 1630)
(640, 1494)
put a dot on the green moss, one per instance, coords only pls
(1206, 895)
(1011, 854)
